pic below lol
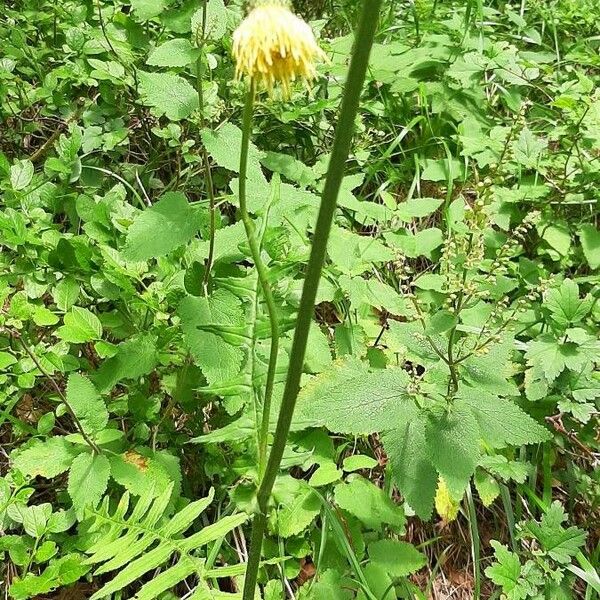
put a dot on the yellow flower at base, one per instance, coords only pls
(274, 45)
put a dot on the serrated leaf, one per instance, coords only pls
(487, 487)
(48, 458)
(398, 559)
(162, 228)
(168, 578)
(368, 503)
(224, 146)
(411, 338)
(168, 94)
(80, 326)
(88, 479)
(564, 304)
(559, 543)
(508, 470)
(134, 358)
(412, 470)
(87, 404)
(350, 399)
(528, 148)
(139, 474)
(354, 254)
(453, 446)
(298, 505)
(549, 355)
(501, 421)
(177, 52)
(215, 25)
(491, 371)
(218, 359)
(506, 570)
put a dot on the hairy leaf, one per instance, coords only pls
(162, 228)
(350, 399)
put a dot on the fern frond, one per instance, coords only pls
(148, 539)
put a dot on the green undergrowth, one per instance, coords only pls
(451, 373)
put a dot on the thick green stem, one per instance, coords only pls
(341, 147)
(263, 277)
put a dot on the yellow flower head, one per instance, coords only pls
(273, 45)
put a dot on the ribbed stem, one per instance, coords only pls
(263, 277)
(341, 147)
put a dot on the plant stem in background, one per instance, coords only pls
(200, 40)
(341, 148)
(263, 277)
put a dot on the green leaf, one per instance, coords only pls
(442, 170)
(441, 321)
(548, 355)
(410, 338)
(564, 304)
(66, 293)
(398, 559)
(421, 243)
(417, 208)
(528, 149)
(168, 94)
(224, 146)
(177, 52)
(506, 571)
(61, 572)
(48, 458)
(590, 242)
(218, 359)
(368, 503)
(318, 353)
(487, 487)
(505, 469)
(491, 371)
(558, 237)
(87, 404)
(88, 480)
(80, 326)
(559, 543)
(147, 9)
(35, 519)
(453, 445)
(215, 24)
(354, 254)
(290, 167)
(139, 474)
(326, 473)
(357, 462)
(412, 470)
(43, 317)
(134, 358)
(21, 174)
(162, 228)
(297, 503)
(501, 421)
(349, 399)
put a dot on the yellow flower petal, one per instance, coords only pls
(272, 45)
